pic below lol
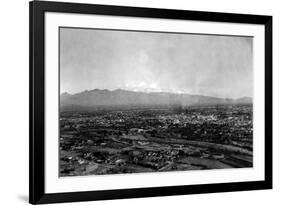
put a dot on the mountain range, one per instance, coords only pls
(120, 97)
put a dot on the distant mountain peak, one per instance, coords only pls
(121, 97)
(244, 100)
(64, 94)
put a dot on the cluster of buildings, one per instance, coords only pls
(130, 141)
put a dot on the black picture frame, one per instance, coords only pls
(37, 9)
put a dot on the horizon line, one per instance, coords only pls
(151, 91)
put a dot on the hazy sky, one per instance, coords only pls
(220, 66)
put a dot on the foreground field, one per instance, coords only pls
(112, 141)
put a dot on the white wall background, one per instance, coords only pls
(14, 100)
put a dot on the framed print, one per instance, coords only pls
(140, 102)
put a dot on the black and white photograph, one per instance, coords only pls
(137, 101)
(142, 101)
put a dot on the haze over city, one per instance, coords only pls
(219, 66)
